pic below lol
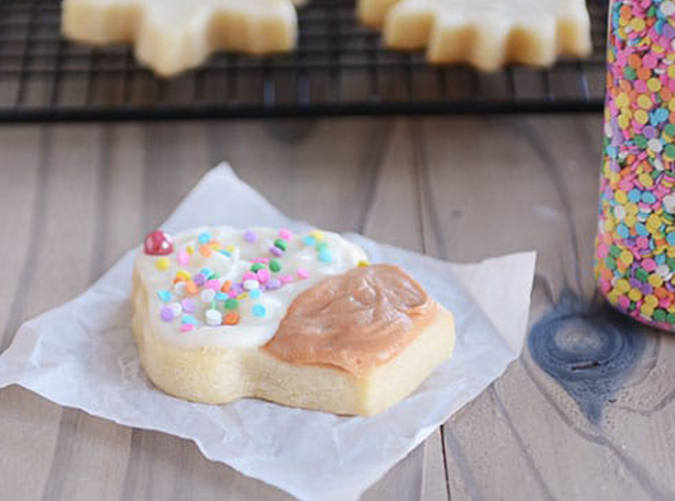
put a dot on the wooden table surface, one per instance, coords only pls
(586, 413)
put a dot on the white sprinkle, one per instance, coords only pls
(213, 317)
(179, 288)
(662, 270)
(668, 8)
(620, 212)
(249, 285)
(608, 129)
(669, 203)
(208, 295)
(175, 308)
(655, 145)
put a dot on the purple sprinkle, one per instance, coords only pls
(276, 251)
(188, 305)
(273, 284)
(250, 236)
(262, 288)
(238, 288)
(167, 314)
(199, 279)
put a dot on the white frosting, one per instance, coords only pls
(251, 331)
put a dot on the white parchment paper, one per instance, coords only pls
(82, 355)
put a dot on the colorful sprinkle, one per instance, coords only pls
(281, 244)
(325, 256)
(303, 274)
(258, 310)
(179, 288)
(263, 275)
(213, 317)
(189, 319)
(250, 236)
(285, 233)
(275, 266)
(363, 264)
(251, 284)
(276, 251)
(183, 258)
(162, 263)
(204, 237)
(255, 294)
(189, 305)
(186, 327)
(635, 245)
(208, 295)
(231, 304)
(165, 296)
(167, 314)
(231, 318)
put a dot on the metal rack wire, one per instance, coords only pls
(340, 68)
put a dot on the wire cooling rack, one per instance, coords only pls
(339, 68)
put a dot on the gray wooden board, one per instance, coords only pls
(74, 198)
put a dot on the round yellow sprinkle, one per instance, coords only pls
(626, 257)
(622, 286)
(620, 196)
(634, 295)
(363, 264)
(644, 101)
(162, 263)
(654, 84)
(651, 300)
(655, 281)
(641, 117)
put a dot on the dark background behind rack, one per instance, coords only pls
(339, 68)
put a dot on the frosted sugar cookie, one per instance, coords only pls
(484, 33)
(173, 35)
(301, 320)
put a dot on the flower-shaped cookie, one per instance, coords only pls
(485, 33)
(171, 36)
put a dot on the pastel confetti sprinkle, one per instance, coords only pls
(231, 304)
(183, 258)
(250, 236)
(258, 310)
(255, 294)
(302, 273)
(309, 240)
(162, 263)
(285, 233)
(186, 327)
(179, 288)
(325, 256)
(231, 318)
(251, 284)
(204, 237)
(189, 305)
(213, 317)
(276, 251)
(263, 275)
(165, 296)
(281, 244)
(363, 264)
(189, 319)
(167, 314)
(208, 295)
(275, 266)
(635, 247)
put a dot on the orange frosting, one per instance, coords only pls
(354, 321)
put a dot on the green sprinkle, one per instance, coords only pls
(231, 304)
(642, 274)
(669, 151)
(614, 250)
(321, 246)
(256, 267)
(671, 318)
(609, 261)
(660, 315)
(629, 73)
(281, 244)
(275, 266)
(669, 130)
(640, 141)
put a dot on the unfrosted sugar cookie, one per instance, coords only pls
(485, 33)
(301, 320)
(173, 35)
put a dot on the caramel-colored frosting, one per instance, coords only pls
(354, 321)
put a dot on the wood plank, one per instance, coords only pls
(539, 192)
(55, 239)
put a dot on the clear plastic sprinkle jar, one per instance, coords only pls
(635, 246)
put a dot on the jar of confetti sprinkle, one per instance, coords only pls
(635, 246)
